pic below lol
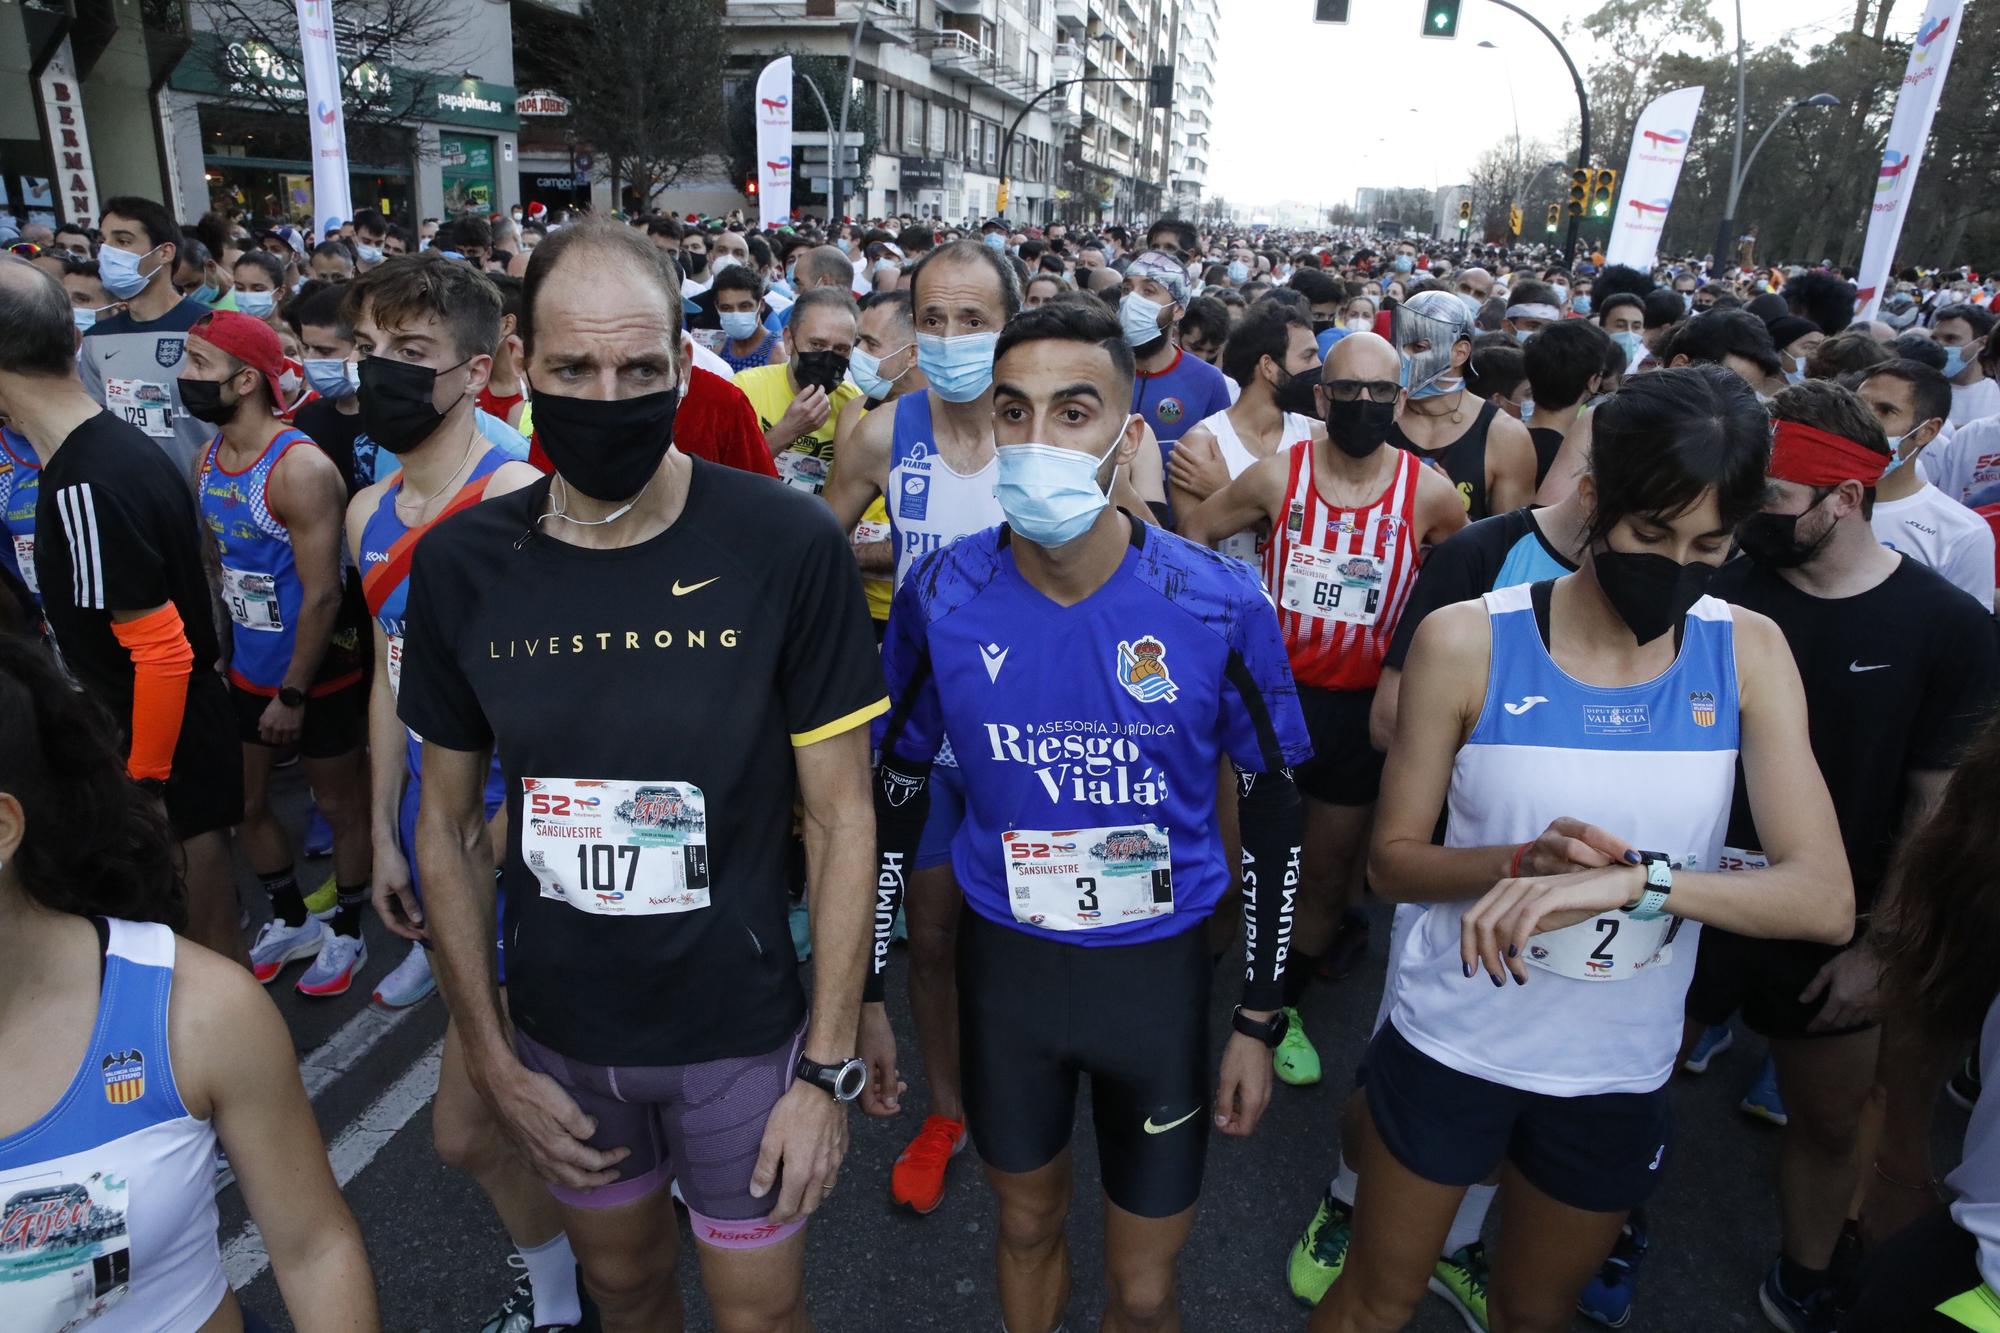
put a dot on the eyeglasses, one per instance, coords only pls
(25, 249)
(1348, 391)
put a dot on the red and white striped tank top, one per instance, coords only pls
(1341, 577)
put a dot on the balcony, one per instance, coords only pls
(1067, 61)
(956, 52)
(974, 7)
(1072, 15)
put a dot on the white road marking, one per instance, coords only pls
(244, 1258)
(347, 1047)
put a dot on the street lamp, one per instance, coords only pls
(1508, 70)
(1725, 235)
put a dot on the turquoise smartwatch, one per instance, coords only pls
(1651, 903)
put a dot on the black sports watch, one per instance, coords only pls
(1270, 1032)
(291, 697)
(842, 1082)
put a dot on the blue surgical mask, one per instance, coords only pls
(1634, 345)
(1436, 386)
(739, 324)
(1896, 456)
(1402, 264)
(1140, 320)
(845, 245)
(83, 315)
(1562, 293)
(1521, 336)
(959, 369)
(370, 254)
(1796, 375)
(1239, 272)
(866, 372)
(1580, 303)
(258, 304)
(1954, 361)
(204, 294)
(1050, 494)
(119, 271)
(1527, 408)
(995, 241)
(328, 376)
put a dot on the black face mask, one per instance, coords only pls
(1321, 323)
(1773, 539)
(606, 448)
(1295, 393)
(822, 369)
(397, 402)
(693, 265)
(1649, 591)
(1358, 428)
(202, 400)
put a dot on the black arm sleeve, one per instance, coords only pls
(902, 803)
(1273, 825)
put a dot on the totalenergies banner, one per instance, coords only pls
(1923, 80)
(332, 206)
(774, 142)
(1652, 172)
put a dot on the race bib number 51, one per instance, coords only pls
(615, 848)
(1084, 879)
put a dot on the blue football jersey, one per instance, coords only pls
(1090, 737)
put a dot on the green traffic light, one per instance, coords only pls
(1441, 18)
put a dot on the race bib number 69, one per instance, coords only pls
(617, 848)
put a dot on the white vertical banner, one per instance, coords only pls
(1896, 179)
(320, 64)
(1652, 173)
(75, 186)
(774, 142)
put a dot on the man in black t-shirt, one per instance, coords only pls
(124, 594)
(333, 419)
(1899, 667)
(662, 651)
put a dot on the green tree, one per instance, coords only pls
(1636, 36)
(632, 70)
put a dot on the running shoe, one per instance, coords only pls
(802, 936)
(1814, 1314)
(1321, 1252)
(1607, 1299)
(324, 901)
(917, 1182)
(1460, 1277)
(319, 833)
(278, 944)
(1349, 947)
(517, 1313)
(409, 982)
(1712, 1042)
(1761, 1102)
(1295, 1061)
(340, 960)
(1963, 1085)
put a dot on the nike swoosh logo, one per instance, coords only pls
(1856, 666)
(1526, 704)
(682, 590)
(1152, 1128)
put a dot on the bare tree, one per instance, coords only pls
(642, 78)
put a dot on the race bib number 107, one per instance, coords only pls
(617, 848)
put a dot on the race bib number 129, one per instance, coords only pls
(617, 848)
(1085, 879)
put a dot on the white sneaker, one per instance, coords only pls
(410, 982)
(341, 957)
(278, 944)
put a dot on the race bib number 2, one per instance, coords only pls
(1085, 879)
(617, 848)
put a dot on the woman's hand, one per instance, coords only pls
(1570, 844)
(1497, 928)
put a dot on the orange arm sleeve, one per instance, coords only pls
(162, 662)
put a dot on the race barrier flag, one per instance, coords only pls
(1652, 171)
(774, 142)
(1896, 178)
(332, 204)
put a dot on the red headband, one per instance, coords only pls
(1813, 457)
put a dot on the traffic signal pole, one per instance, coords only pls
(1007, 144)
(1582, 107)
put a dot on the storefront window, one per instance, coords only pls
(467, 162)
(260, 162)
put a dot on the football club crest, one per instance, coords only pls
(1142, 670)
(124, 1077)
(167, 351)
(1701, 703)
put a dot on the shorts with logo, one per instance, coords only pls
(1763, 979)
(204, 793)
(700, 1125)
(1035, 1014)
(334, 725)
(947, 790)
(1346, 768)
(1602, 1152)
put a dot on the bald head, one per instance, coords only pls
(37, 331)
(1104, 280)
(1361, 356)
(825, 266)
(596, 246)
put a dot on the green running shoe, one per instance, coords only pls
(1295, 1061)
(1321, 1252)
(1460, 1277)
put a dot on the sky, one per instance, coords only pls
(1308, 112)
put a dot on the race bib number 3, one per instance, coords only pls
(617, 848)
(1084, 879)
(253, 600)
(1330, 586)
(1612, 947)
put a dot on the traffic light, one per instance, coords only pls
(1602, 192)
(750, 185)
(1555, 216)
(1465, 215)
(1330, 11)
(1160, 88)
(1579, 191)
(1514, 218)
(1441, 18)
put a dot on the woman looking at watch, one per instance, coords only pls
(1563, 728)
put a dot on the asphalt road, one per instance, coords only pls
(439, 1255)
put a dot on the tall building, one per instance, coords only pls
(1194, 102)
(1118, 152)
(944, 79)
